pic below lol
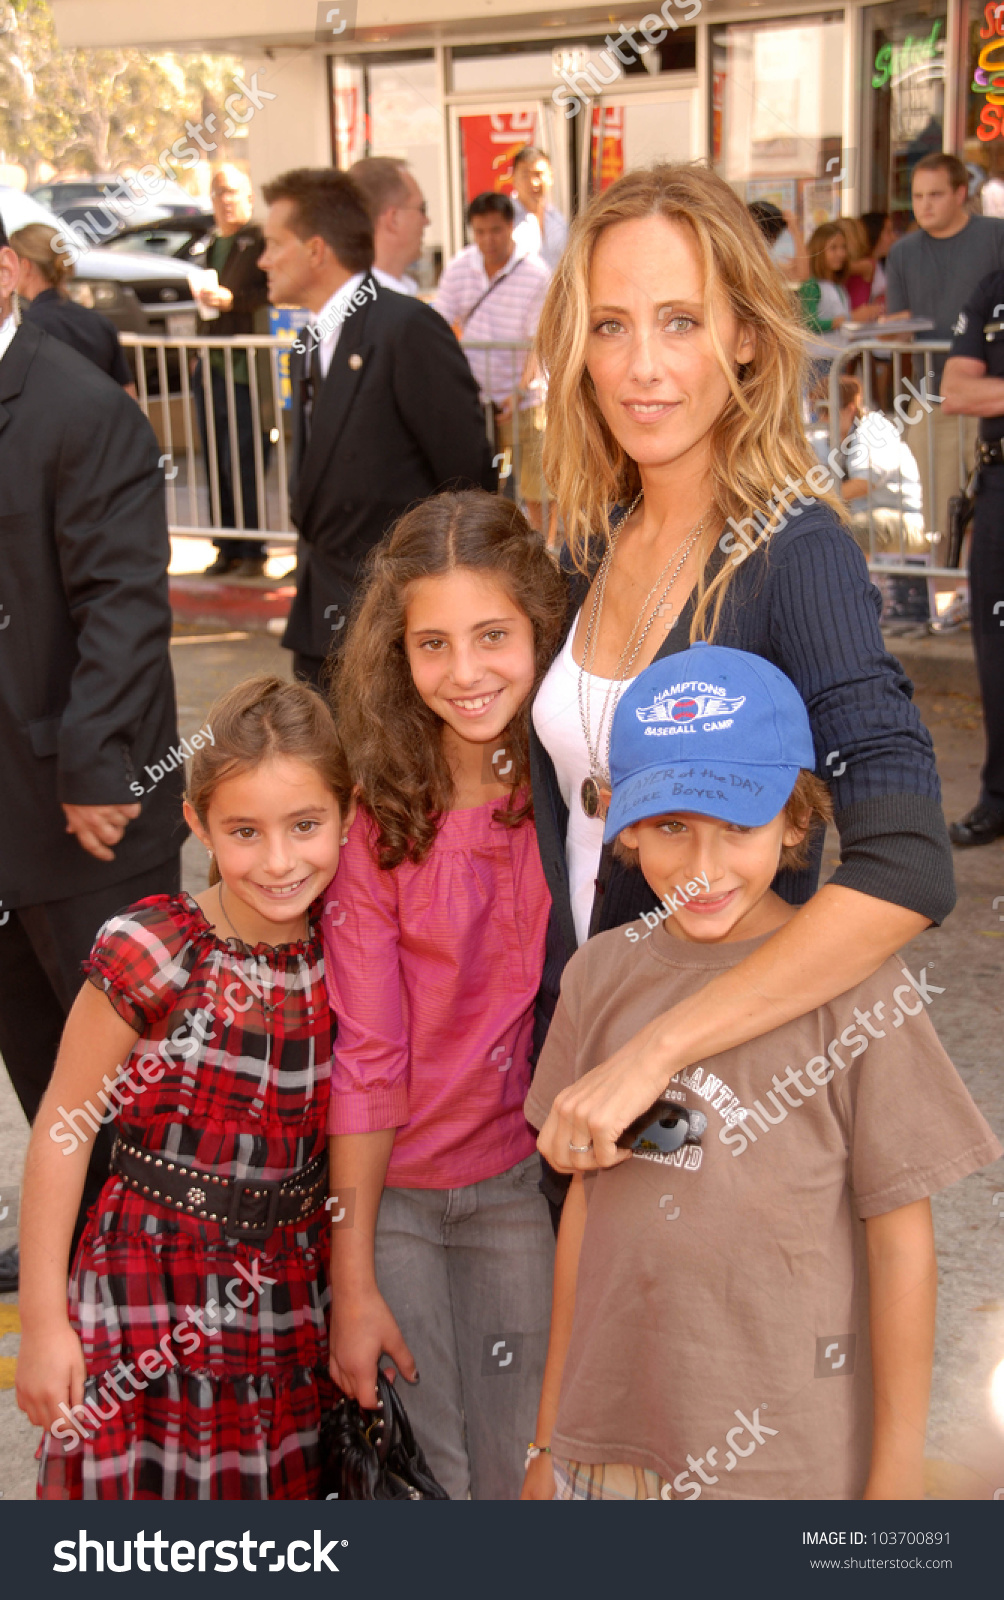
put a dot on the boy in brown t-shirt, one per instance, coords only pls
(745, 1309)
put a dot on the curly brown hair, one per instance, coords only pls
(392, 738)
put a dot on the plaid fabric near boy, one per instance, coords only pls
(720, 1337)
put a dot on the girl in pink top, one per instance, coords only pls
(434, 947)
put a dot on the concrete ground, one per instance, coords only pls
(965, 1438)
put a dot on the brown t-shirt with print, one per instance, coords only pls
(720, 1333)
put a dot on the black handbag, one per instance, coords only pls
(374, 1455)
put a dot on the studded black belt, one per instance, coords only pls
(248, 1208)
(990, 453)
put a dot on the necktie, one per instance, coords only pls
(311, 392)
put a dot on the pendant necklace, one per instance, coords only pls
(268, 1006)
(595, 791)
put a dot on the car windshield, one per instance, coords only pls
(162, 241)
(71, 193)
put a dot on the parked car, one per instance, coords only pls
(186, 238)
(73, 198)
(138, 290)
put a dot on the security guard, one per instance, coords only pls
(973, 386)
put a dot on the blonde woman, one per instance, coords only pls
(42, 274)
(688, 491)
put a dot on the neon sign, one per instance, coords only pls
(894, 61)
(988, 74)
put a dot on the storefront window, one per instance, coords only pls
(983, 100)
(587, 62)
(777, 113)
(903, 79)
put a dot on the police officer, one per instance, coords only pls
(973, 386)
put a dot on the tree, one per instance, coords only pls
(94, 110)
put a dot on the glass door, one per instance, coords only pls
(620, 131)
(484, 139)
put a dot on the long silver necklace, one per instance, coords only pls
(595, 790)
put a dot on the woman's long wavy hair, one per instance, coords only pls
(759, 437)
(392, 739)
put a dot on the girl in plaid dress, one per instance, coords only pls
(191, 1361)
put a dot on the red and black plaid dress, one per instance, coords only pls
(244, 1036)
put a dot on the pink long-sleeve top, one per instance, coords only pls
(432, 972)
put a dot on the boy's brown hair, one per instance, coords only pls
(808, 807)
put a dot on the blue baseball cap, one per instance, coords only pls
(711, 730)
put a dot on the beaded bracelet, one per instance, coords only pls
(533, 1451)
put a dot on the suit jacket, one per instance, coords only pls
(86, 689)
(396, 419)
(247, 283)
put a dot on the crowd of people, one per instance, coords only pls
(485, 961)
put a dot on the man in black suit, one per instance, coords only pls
(386, 410)
(86, 689)
(233, 252)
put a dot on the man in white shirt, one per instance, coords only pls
(540, 230)
(399, 215)
(493, 291)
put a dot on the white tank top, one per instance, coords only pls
(558, 725)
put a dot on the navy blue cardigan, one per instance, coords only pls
(805, 602)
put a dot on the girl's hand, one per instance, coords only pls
(50, 1370)
(539, 1481)
(362, 1329)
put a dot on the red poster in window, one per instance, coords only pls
(488, 145)
(607, 151)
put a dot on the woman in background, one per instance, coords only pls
(826, 303)
(40, 288)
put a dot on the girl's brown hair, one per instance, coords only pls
(392, 738)
(255, 721)
(759, 437)
(808, 807)
(816, 251)
(34, 243)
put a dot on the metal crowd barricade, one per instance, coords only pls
(921, 427)
(194, 507)
(193, 494)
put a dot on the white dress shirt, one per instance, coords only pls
(328, 322)
(399, 285)
(528, 236)
(7, 332)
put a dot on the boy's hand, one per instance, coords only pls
(596, 1110)
(539, 1481)
(50, 1370)
(362, 1329)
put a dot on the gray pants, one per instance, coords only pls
(467, 1273)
